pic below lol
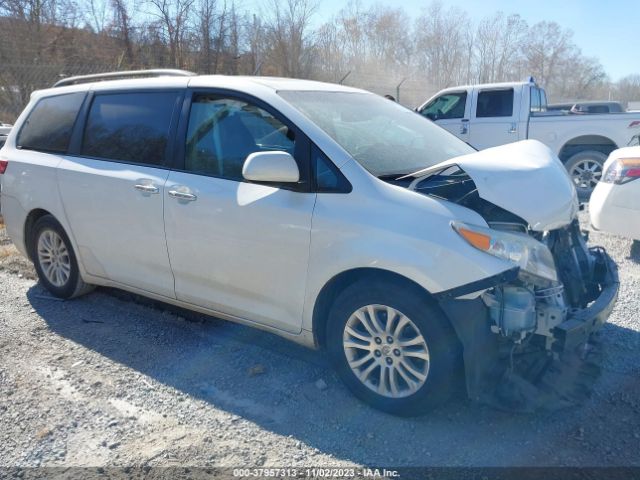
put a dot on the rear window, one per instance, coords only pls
(495, 103)
(49, 125)
(129, 127)
(598, 109)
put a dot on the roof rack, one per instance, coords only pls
(159, 72)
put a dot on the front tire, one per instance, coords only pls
(54, 259)
(392, 348)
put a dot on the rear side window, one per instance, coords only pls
(495, 103)
(598, 109)
(49, 125)
(129, 127)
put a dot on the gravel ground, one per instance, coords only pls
(104, 381)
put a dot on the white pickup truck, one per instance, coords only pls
(494, 114)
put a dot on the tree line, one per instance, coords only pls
(375, 47)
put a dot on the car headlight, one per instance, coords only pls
(520, 249)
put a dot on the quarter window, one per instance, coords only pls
(48, 127)
(328, 177)
(222, 132)
(129, 127)
(495, 103)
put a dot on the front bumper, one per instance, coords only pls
(495, 376)
(582, 323)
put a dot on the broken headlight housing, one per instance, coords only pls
(531, 256)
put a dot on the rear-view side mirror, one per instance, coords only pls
(276, 167)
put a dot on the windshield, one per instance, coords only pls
(383, 136)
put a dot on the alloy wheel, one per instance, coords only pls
(53, 256)
(386, 351)
(586, 173)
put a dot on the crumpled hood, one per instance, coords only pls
(524, 178)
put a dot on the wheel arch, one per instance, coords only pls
(339, 282)
(597, 142)
(32, 217)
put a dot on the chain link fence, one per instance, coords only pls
(409, 90)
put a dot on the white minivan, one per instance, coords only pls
(322, 213)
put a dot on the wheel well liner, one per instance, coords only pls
(583, 143)
(32, 218)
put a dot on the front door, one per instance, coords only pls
(237, 247)
(449, 112)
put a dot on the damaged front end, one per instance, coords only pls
(527, 333)
(530, 344)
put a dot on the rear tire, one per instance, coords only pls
(586, 169)
(54, 259)
(423, 372)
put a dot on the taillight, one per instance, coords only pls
(3, 166)
(623, 170)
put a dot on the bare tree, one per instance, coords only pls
(206, 28)
(289, 37)
(255, 39)
(442, 44)
(173, 16)
(378, 46)
(123, 29)
(628, 89)
(97, 15)
(351, 22)
(547, 46)
(388, 39)
(498, 46)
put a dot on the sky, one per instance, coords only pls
(606, 29)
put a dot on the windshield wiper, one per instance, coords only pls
(391, 176)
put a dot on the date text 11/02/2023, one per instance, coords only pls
(315, 473)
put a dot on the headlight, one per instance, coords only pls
(530, 255)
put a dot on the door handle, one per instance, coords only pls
(513, 128)
(464, 127)
(189, 197)
(146, 188)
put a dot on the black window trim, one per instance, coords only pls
(344, 187)
(302, 142)
(73, 128)
(77, 137)
(496, 89)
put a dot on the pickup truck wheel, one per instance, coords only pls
(54, 259)
(392, 348)
(585, 169)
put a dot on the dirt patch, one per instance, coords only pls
(11, 260)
